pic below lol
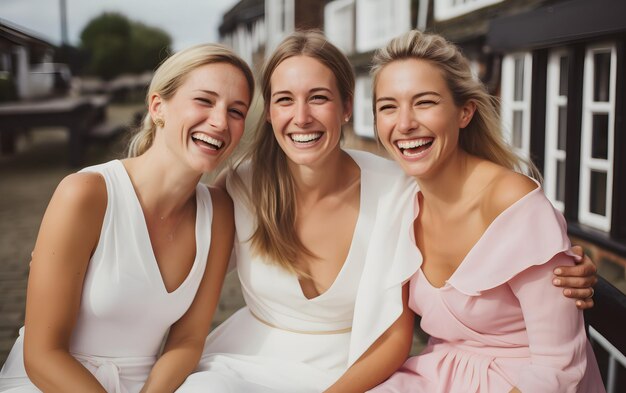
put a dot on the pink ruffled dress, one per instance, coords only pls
(498, 322)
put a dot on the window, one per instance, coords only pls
(556, 127)
(378, 21)
(447, 9)
(597, 145)
(516, 87)
(280, 21)
(363, 117)
(339, 24)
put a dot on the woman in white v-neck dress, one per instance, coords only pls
(336, 322)
(131, 250)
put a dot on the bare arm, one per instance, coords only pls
(68, 235)
(577, 281)
(383, 358)
(185, 341)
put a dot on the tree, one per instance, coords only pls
(116, 45)
(148, 47)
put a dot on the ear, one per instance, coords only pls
(268, 118)
(155, 106)
(347, 111)
(467, 113)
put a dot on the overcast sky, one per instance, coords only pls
(187, 21)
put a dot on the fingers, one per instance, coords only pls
(578, 250)
(575, 282)
(585, 268)
(579, 294)
(584, 304)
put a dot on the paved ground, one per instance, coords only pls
(27, 181)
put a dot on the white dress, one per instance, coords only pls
(282, 341)
(125, 309)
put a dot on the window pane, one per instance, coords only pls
(602, 70)
(518, 122)
(518, 87)
(562, 128)
(563, 75)
(600, 135)
(597, 200)
(560, 181)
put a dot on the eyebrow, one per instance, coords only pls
(313, 90)
(212, 93)
(418, 95)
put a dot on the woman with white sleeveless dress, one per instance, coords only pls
(129, 250)
(319, 254)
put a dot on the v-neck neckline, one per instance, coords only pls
(355, 235)
(478, 244)
(146, 242)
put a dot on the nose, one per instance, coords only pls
(219, 118)
(407, 121)
(302, 117)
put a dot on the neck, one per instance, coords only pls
(322, 179)
(444, 188)
(163, 184)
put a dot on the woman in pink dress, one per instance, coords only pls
(487, 236)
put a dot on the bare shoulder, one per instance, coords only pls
(84, 190)
(222, 205)
(506, 189)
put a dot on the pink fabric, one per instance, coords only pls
(498, 322)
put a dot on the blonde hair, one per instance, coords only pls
(171, 74)
(273, 194)
(483, 135)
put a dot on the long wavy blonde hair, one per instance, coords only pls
(483, 135)
(171, 74)
(272, 195)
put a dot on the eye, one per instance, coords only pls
(204, 101)
(426, 103)
(283, 100)
(386, 108)
(318, 99)
(237, 113)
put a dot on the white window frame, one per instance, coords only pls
(372, 30)
(587, 163)
(274, 11)
(448, 9)
(554, 102)
(338, 29)
(509, 105)
(362, 111)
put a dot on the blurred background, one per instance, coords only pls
(73, 76)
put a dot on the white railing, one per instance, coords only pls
(615, 356)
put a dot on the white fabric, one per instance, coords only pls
(125, 309)
(246, 355)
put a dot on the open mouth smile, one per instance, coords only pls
(207, 141)
(414, 147)
(305, 139)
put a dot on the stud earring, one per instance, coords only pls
(347, 119)
(159, 122)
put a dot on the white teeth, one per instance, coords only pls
(303, 138)
(208, 139)
(413, 143)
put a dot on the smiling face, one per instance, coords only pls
(205, 118)
(416, 117)
(306, 110)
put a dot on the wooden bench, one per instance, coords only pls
(106, 131)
